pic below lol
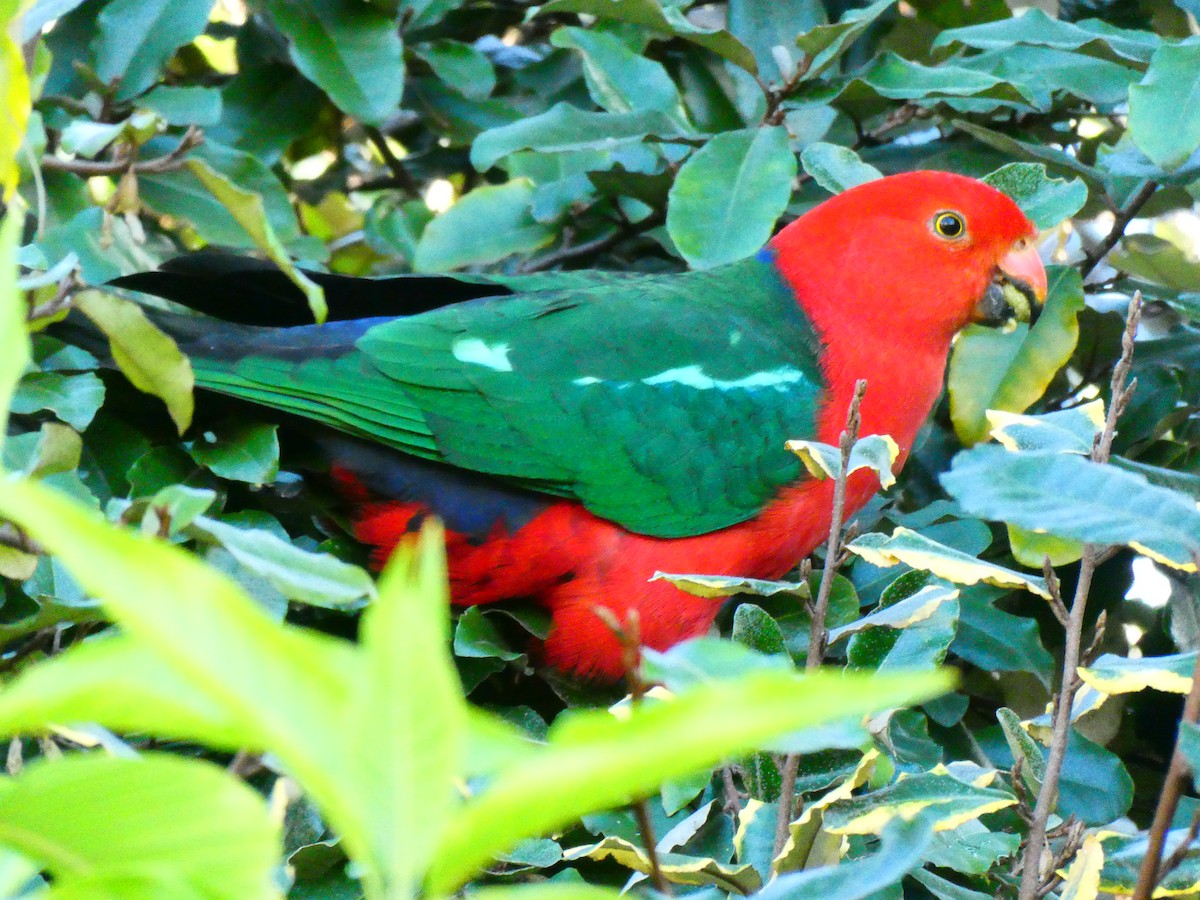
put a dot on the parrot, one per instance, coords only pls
(578, 431)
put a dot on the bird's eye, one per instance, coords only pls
(949, 225)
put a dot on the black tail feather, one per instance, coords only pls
(255, 292)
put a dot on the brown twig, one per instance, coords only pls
(571, 252)
(1151, 872)
(1172, 862)
(60, 301)
(14, 538)
(628, 634)
(1123, 217)
(774, 113)
(1031, 874)
(818, 635)
(1054, 589)
(88, 168)
(401, 177)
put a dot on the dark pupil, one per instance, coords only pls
(950, 226)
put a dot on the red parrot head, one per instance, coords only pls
(920, 254)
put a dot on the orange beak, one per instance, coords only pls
(1023, 266)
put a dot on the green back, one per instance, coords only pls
(660, 402)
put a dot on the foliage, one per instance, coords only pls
(222, 614)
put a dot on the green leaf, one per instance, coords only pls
(655, 742)
(667, 20)
(912, 549)
(991, 369)
(754, 627)
(1072, 497)
(95, 817)
(971, 848)
(315, 578)
(150, 359)
(1024, 748)
(487, 225)
(350, 50)
(476, 637)
(836, 168)
(137, 37)
(1164, 107)
(877, 452)
(897, 78)
(566, 129)
(247, 453)
(1045, 200)
(825, 44)
(922, 645)
(73, 398)
(185, 105)
(618, 79)
(1064, 431)
(1040, 30)
(728, 195)
(14, 109)
(945, 801)
(770, 30)
(14, 338)
(410, 745)
(459, 65)
(247, 208)
(999, 641)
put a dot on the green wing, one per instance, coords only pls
(660, 402)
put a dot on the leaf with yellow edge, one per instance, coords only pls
(710, 586)
(14, 338)
(948, 801)
(247, 209)
(1123, 857)
(1024, 748)
(678, 868)
(1112, 674)
(806, 839)
(992, 369)
(1087, 699)
(917, 608)
(148, 357)
(15, 102)
(913, 549)
(877, 452)
(1082, 880)
(1065, 431)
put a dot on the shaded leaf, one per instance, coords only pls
(825, 44)
(73, 398)
(137, 37)
(248, 453)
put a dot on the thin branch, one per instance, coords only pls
(774, 113)
(1031, 874)
(1151, 872)
(1124, 216)
(628, 634)
(573, 252)
(88, 168)
(818, 635)
(1054, 589)
(60, 301)
(401, 177)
